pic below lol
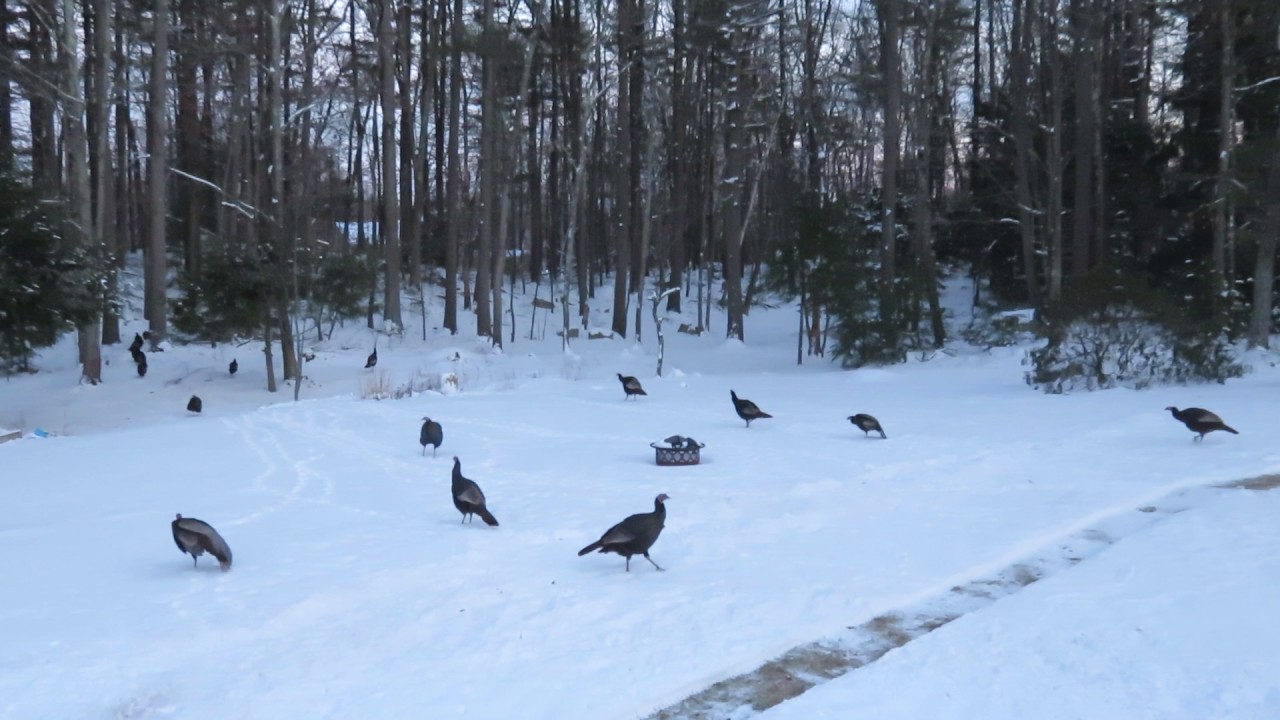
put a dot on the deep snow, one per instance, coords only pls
(357, 593)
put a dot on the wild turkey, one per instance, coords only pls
(633, 536)
(233, 367)
(195, 404)
(136, 345)
(432, 434)
(1200, 421)
(373, 359)
(746, 409)
(141, 359)
(197, 537)
(630, 386)
(468, 498)
(867, 424)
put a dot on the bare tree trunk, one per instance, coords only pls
(1027, 161)
(104, 182)
(284, 239)
(6, 92)
(390, 206)
(155, 300)
(1086, 127)
(1226, 122)
(888, 12)
(46, 170)
(125, 191)
(1055, 164)
(489, 163)
(188, 194)
(410, 217)
(624, 193)
(426, 99)
(739, 91)
(454, 190)
(923, 231)
(79, 194)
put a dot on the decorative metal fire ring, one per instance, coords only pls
(678, 451)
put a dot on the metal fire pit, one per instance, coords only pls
(678, 451)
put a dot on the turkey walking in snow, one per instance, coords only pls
(195, 404)
(1200, 421)
(633, 536)
(233, 367)
(468, 498)
(746, 409)
(197, 537)
(867, 424)
(431, 434)
(630, 386)
(373, 359)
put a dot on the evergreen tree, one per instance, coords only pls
(46, 287)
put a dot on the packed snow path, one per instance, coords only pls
(811, 664)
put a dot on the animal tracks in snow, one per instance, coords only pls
(805, 666)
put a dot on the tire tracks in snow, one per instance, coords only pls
(803, 667)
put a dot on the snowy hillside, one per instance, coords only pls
(1003, 554)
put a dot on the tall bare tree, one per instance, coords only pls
(888, 14)
(453, 190)
(1226, 131)
(155, 303)
(103, 175)
(1085, 81)
(79, 192)
(490, 123)
(390, 207)
(1027, 157)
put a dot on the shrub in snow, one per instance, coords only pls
(375, 387)
(1114, 332)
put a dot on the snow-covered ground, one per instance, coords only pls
(356, 593)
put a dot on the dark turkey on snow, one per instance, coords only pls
(198, 537)
(1200, 421)
(373, 359)
(746, 409)
(867, 424)
(195, 404)
(630, 386)
(634, 535)
(431, 434)
(233, 367)
(468, 497)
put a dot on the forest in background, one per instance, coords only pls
(1113, 164)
